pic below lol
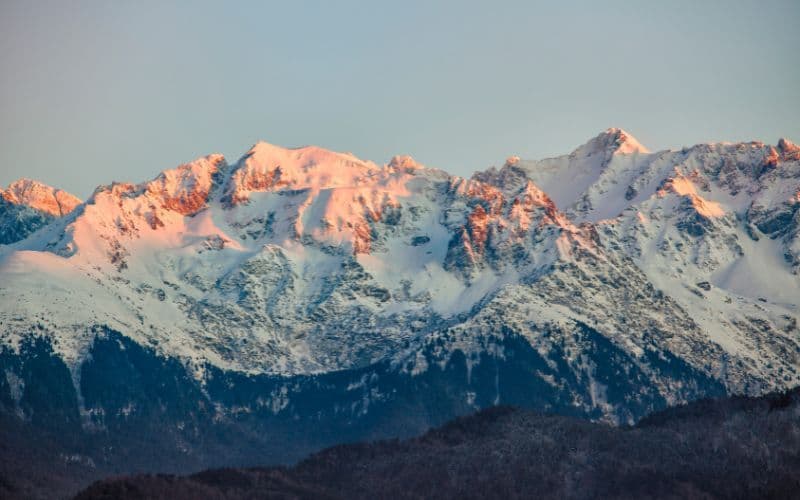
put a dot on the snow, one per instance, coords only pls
(761, 273)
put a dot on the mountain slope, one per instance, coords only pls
(713, 449)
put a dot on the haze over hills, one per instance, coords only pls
(728, 448)
(235, 306)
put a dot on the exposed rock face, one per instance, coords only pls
(789, 150)
(185, 189)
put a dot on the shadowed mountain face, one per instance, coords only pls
(728, 448)
(139, 412)
(254, 312)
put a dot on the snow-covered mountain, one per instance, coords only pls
(26, 205)
(303, 282)
(714, 227)
(299, 261)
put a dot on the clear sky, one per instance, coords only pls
(95, 91)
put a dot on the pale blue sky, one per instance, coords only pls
(98, 91)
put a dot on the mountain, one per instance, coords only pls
(711, 449)
(255, 311)
(715, 227)
(26, 205)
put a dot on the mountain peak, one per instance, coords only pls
(40, 196)
(614, 140)
(185, 189)
(788, 149)
(263, 151)
(263, 148)
(266, 166)
(405, 162)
